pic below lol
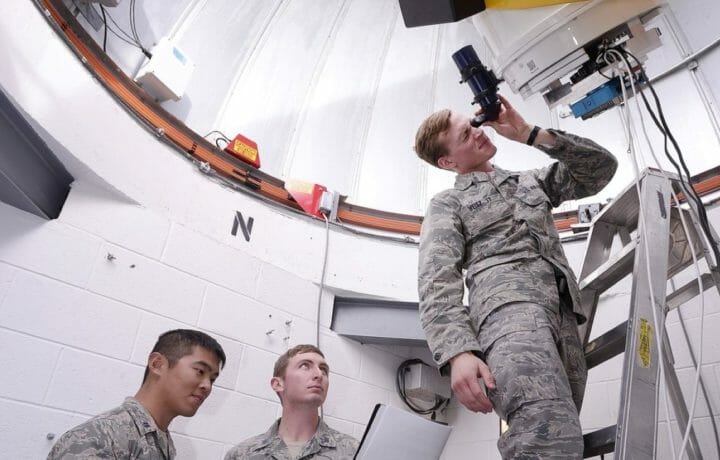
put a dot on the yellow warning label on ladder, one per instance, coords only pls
(644, 342)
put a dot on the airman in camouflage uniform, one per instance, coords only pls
(519, 333)
(326, 444)
(301, 381)
(126, 432)
(179, 376)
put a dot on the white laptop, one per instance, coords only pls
(394, 434)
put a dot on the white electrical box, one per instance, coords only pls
(424, 382)
(166, 75)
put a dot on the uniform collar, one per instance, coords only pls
(146, 425)
(142, 418)
(272, 441)
(463, 181)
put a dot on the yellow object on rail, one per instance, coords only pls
(519, 4)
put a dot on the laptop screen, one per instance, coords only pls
(394, 434)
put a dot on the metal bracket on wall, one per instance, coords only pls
(31, 176)
(376, 321)
(87, 10)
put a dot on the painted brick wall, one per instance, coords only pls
(83, 299)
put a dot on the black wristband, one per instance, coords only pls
(533, 135)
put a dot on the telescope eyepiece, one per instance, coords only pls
(475, 122)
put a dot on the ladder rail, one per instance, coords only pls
(641, 368)
(653, 251)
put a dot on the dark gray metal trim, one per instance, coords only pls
(31, 176)
(607, 346)
(599, 442)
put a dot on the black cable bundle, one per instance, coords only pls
(440, 403)
(662, 125)
(133, 40)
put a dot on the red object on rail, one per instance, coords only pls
(244, 149)
(307, 195)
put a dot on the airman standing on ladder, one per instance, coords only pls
(519, 334)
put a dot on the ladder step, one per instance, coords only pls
(599, 442)
(688, 291)
(608, 345)
(613, 270)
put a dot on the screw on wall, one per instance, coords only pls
(288, 322)
(50, 436)
(270, 331)
(110, 257)
(132, 265)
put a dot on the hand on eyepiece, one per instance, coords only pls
(509, 124)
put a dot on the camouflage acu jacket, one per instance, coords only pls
(326, 444)
(126, 432)
(498, 227)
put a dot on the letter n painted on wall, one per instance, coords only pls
(246, 227)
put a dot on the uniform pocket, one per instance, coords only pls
(520, 347)
(530, 192)
(516, 317)
(491, 214)
(504, 322)
(533, 196)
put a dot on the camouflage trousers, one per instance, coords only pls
(536, 357)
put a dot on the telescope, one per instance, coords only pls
(482, 82)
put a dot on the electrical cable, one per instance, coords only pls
(127, 40)
(642, 231)
(702, 216)
(102, 9)
(222, 137)
(698, 364)
(128, 36)
(133, 29)
(692, 194)
(702, 383)
(701, 291)
(440, 403)
(687, 186)
(600, 59)
(691, 413)
(690, 191)
(215, 131)
(320, 293)
(322, 279)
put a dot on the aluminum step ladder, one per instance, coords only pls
(614, 250)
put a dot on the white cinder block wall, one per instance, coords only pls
(82, 302)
